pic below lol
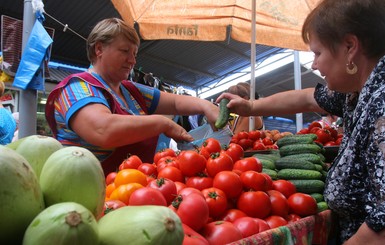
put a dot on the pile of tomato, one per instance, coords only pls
(326, 135)
(219, 195)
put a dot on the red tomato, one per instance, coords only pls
(216, 201)
(232, 214)
(212, 145)
(218, 162)
(166, 186)
(323, 135)
(267, 141)
(330, 143)
(314, 130)
(171, 173)
(275, 221)
(189, 190)
(279, 205)
(204, 152)
(304, 131)
(292, 218)
(338, 140)
(147, 196)
(110, 178)
(242, 135)
(179, 186)
(333, 132)
(272, 147)
(167, 161)
(229, 182)
(302, 204)
(249, 226)
(255, 134)
(269, 181)
(133, 161)
(255, 204)
(148, 169)
(192, 237)
(252, 180)
(111, 205)
(259, 146)
(191, 163)
(200, 182)
(221, 232)
(192, 210)
(163, 153)
(248, 163)
(245, 143)
(235, 151)
(286, 187)
(314, 124)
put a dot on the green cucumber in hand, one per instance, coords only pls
(224, 114)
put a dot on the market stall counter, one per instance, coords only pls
(315, 229)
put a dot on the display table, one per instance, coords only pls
(309, 230)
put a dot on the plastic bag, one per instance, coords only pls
(204, 132)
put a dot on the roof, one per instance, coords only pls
(191, 64)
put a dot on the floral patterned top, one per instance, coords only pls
(355, 185)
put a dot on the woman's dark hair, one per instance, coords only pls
(331, 20)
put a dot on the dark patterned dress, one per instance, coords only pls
(355, 186)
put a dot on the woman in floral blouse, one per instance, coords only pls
(347, 38)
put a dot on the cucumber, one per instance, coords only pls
(318, 197)
(272, 173)
(294, 164)
(289, 174)
(267, 164)
(309, 186)
(322, 206)
(314, 158)
(296, 139)
(224, 114)
(271, 157)
(299, 149)
(318, 167)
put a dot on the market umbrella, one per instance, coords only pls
(277, 23)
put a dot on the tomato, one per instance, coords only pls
(303, 131)
(147, 196)
(245, 143)
(259, 146)
(200, 182)
(275, 221)
(255, 134)
(235, 151)
(111, 205)
(314, 124)
(129, 175)
(338, 141)
(242, 135)
(255, 204)
(267, 141)
(148, 169)
(279, 205)
(167, 161)
(218, 162)
(221, 232)
(191, 163)
(232, 214)
(272, 147)
(249, 226)
(323, 135)
(286, 187)
(248, 163)
(192, 237)
(163, 153)
(189, 190)
(333, 132)
(216, 201)
(166, 186)
(269, 181)
(302, 204)
(123, 192)
(292, 218)
(252, 180)
(133, 161)
(229, 182)
(330, 143)
(110, 178)
(171, 173)
(204, 152)
(192, 209)
(109, 189)
(212, 145)
(314, 130)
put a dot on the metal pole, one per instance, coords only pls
(28, 97)
(252, 61)
(298, 86)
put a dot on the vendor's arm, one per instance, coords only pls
(173, 104)
(97, 125)
(284, 103)
(365, 235)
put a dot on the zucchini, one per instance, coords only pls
(272, 173)
(311, 157)
(294, 164)
(322, 206)
(299, 149)
(296, 139)
(289, 174)
(224, 114)
(309, 186)
(267, 163)
(318, 197)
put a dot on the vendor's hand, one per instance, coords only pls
(178, 133)
(237, 104)
(212, 113)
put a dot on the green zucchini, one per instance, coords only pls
(318, 197)
(289, 174)
(322, 206)
(224, 114)
(272, 173)
(296, 139)
(299, 149)
(294, 163)
(309, 186)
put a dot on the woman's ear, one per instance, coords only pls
(352, 45)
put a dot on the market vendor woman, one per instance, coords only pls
(347, 38)
(112, 117)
